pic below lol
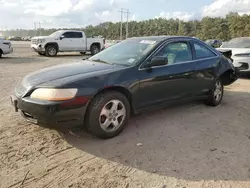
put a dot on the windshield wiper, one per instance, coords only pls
(100, 61)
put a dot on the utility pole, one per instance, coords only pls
(40, 28)
(127, 23)
(122, 11)
(35, 27)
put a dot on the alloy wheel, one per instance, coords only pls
(218, 91)
(52, 51)
(112, 115)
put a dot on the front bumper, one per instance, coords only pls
(37, 47)
(47, 113)
(241, 64)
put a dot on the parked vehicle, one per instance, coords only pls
(66, 41)
(13, 38)
(215, 43)
(240, 48)
(5, 47)
(135, 75)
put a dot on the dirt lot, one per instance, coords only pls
(190, 145)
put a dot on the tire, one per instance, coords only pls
(51, 51)
(99, 112)
(216, 95)
(83, 53)
(1, 53)
(41, 53)
(94, 49)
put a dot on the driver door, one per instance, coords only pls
(171, 82)
(66, 41)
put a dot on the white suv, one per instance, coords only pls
(66, 41)
(5, 47)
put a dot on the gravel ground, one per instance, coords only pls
(189, 145)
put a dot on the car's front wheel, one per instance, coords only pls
(108, 114)
(51, 50)
(216, 95)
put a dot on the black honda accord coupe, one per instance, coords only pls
(135, 75)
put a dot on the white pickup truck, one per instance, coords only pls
(5, 47)
(66, 41)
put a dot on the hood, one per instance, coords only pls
(236, 50)
(82, 69)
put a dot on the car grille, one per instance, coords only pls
(34, 41)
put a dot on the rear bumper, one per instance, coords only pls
(48, 114)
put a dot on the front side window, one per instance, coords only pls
(176, 52)
(69, 35)
(202, 52)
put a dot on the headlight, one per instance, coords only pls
(51, 94)
(41, 40)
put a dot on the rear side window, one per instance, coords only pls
(78, 34)
(202, 51)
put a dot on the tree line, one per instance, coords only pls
(231, 26)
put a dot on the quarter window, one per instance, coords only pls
(202, 52)
(176, 52)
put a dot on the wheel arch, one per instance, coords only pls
(52, 43)
(119, 89)
(1, 50)
(228, 77)
(96, 44)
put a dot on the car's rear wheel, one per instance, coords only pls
(108, 114)
(51, 50)
(216, 95)
(94, 49)
(1, 53)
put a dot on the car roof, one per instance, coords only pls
(160, 38)
(69, 30)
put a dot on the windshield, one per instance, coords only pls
(126, 53)
(237, 43)
(55, 34)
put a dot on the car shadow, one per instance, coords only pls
(190, 141)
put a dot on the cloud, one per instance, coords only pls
(223, 7)
(185, 16)
(54, 13)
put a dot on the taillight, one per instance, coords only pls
(243, 55)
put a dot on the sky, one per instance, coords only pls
(80, 13)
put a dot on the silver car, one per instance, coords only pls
(240, 48)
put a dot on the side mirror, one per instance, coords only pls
(62, 37)
(158, 61)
